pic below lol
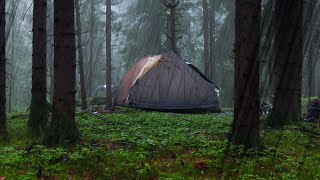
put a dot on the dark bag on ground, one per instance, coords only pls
(313, 113)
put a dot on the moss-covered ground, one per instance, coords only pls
(135, 144)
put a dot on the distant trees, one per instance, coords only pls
(84, 104)
(108, 56)
(38, 117)
(288, 62)
(3, 132)
(172, 37)
(63, 126)
(245, 127)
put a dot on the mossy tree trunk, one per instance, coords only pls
(38, 116)
(245, 129)
(288, 63)
(63, 127)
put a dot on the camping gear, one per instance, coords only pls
(313, 114)
(167, 82)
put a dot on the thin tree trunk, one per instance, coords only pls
(212, 26)
(38, 117)
(10, 76)
(206, 38)
(3, 132)
(173, 37)
(63, 127)
(80, 56)
(108, 56)
(288, 63)
(50, 48)
(245, 128)
(91, 52)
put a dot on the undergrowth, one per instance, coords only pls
(135, 144)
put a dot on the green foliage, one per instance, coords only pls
(134, 144)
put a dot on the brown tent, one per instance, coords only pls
(167, 82)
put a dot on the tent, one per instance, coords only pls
(167, 82)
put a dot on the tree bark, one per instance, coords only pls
(3, 132)
(172, 5)
(212, 26)
(38, 116)
(173, 12)
(206, 38)
(84, 104)
(288, 63)
(63, 127)
(108, 57)
(92, 48)
(245, 128)
(10, 74)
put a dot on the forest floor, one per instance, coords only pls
(135, 144)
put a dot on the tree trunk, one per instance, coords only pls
(288, 63)
(38, 116)
(173, 38)
(63, 126)
(312, 64)
(50, 49)
(212, 26)
(108, 58)
(84, 105)
(206, 38)
(245, 128)
(172, 5)
(92, 48)
(3, 132)
(10, 76)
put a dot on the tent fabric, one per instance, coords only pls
(166, 82)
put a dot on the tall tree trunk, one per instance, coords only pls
(63, 126)
(50, 48)
(288, 63)
(3, 132)
(245, 130)
(108, 58)
(212, 26)
(80, 57)
(206, 38)
(11, 71)
(38, 116)
(92, 48)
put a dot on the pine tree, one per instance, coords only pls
(245, 128)
(38, 117)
